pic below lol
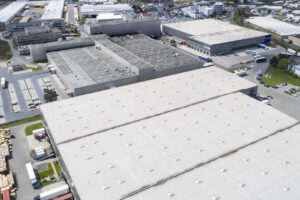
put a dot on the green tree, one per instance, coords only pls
(283, 64)
(239, 16)
(50, 96)
(292, 59)
(274, 61)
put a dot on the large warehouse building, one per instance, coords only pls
(14, 17)
(212, 37)
(143, 140)
(148, 26)
(278, 27)
(106, 62)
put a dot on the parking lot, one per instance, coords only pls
(285, 103)
(239, 57)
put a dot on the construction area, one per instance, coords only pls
(214, 37)
(105, 62)
(7, 183)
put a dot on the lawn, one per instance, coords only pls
(23, 121)
(46, 173)
(280, 76)
(29, 129)
(57, 168)
(231, 70)
(32, 68)
(48, 182)
(5, 51)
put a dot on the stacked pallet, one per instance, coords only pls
(6, 180)
(3, 167)
(7, 183)
(5, 143)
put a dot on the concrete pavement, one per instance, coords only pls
(21, 156)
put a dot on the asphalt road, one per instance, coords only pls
(21, 156)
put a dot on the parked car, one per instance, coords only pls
(275, 86)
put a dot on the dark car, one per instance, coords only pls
(275, 86)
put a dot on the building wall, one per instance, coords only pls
(224, 47)
(177, 33)
(104, 86)
(177, 70)
(146, 27)
(58, 23)
(295, 40)
(37, 38)
(38, 52)
(229, 46)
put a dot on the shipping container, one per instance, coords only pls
(40, 131)
(54, 193)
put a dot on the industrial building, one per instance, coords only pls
(18, 15)
(146, 26)
(37, 35)
(278, 27)
(213, 37)
(9, 12)
(105, 62)
(94, 10)
(143, 140)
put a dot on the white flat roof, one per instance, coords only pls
(89, 114)
(119, 161)
(92, 9)
(10, 11)
(268, 169)
(109, 16)
(211, 31)
(54, 9)
(279, 27)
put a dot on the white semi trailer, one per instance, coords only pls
(56, 192)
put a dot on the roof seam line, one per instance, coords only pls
(146, 187)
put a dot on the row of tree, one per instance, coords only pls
(280, 62)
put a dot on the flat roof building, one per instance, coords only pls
(9, 12)
(51, 16)
(132, 138)
(54, 9)
(117, 61)
(211, 37)
(37, 35)
(94, 10)
(276, 26)
(146, 26)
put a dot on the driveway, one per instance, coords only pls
(21, 156)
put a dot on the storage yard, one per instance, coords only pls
(7, 182)
(211, 37)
